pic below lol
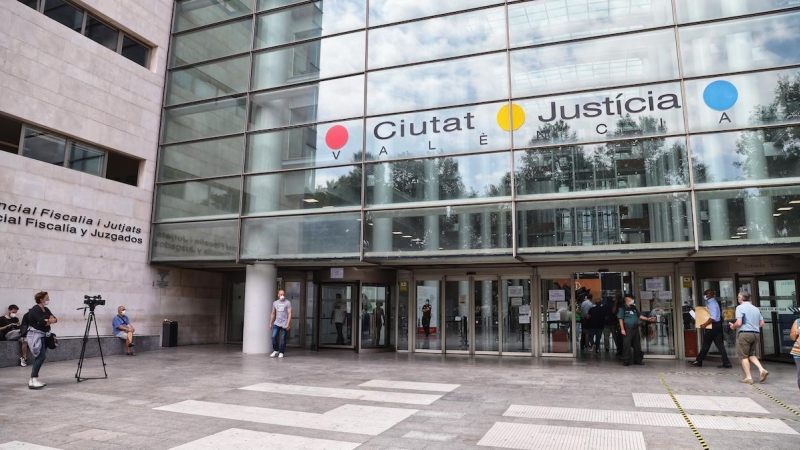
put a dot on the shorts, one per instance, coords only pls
(122, 334)
(13, 335)
(747, 344)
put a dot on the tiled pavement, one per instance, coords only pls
(214, 397)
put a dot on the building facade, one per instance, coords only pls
(493, 160)
(81, 88)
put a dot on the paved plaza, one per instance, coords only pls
(214, 397)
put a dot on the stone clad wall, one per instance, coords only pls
(55, 78)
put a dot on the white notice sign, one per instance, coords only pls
(653, 284)
(524, 319)
(337, 272)
(556, 295)
(515, 291)
(525, 310)
(516, 301)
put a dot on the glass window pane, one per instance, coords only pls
(210, 43)
(85, 158)
(202, 241)
(638, 164)
(538, 22)
(741, 101)
(749, 216)
(440, 132)
(309, 21)
(639, 58)
(101, 33)
(387, 11)
(441, 37)
(208, 80)
(316, 145)
(609, 222)
(439, 179)
(598, 116)
(194, 13)
(64, 13)
(468, 80)
(31, 3)
(135, 51)
(269, 4)
(324, 58)
(44, 146)
(201, 159)
(303, 189)
(516, 295)
(296, 237)
(694, 11)
(319, 102)
(739, 45)
(198, 199)
(446, 231)
(746, 155)
(205, 120)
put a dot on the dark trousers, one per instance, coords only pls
(426, 325)
(618, 340)
(279, 334)
(714, 335)
(37, 363)
(339, 335)
(594, 337)
(632, 342)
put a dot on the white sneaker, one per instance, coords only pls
(22, 362)
(280, 355)
(273, 354)
(35, 384)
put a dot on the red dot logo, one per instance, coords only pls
(336, 137)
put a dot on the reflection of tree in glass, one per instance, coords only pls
(784, 163)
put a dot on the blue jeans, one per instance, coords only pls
(279, 333)
(37, 363)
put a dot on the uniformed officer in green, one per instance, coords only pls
(629, 318)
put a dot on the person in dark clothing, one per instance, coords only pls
(10, 331)
(629, 318)
(610, 327)
(595, 321)
(39, 320)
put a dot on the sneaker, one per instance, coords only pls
(280, 355)
(35, 384)
(746, 380)
(273, 354)
(763, 376)
(22, 362)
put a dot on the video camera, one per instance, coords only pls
(92, 301)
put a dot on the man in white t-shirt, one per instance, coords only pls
(279, 322)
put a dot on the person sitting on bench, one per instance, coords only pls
(124, 330)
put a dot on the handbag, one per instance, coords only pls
(50, 341)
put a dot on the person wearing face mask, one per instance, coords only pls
(629, 318)
(124, 330)
(9, 331)
(279, 322)
(39, 321)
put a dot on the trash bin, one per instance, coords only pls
(169, 334)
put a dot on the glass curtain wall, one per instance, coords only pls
(355, 130)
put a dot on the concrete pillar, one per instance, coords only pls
(260, 290)
(383, 195)
(431, 221)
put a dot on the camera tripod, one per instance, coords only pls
(89, 322)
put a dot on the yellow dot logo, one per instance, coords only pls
(511, 120)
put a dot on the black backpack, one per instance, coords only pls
(23, 326)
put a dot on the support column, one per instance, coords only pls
(260, 290)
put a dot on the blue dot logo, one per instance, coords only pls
(720, 95)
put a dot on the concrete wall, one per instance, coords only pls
(53, 77)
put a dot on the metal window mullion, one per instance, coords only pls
(84, 21)
(22, 129)
(120, 38)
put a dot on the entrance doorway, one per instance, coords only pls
(336, 306)
(777, 300)
(375, 322)
(567, 326)
(477, 315)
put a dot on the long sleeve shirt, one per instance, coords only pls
(38, 318)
